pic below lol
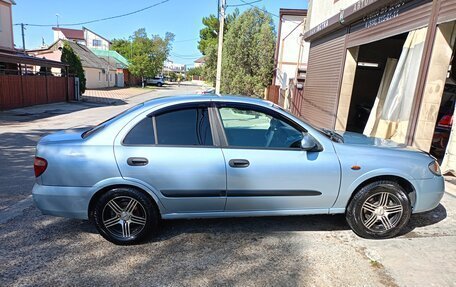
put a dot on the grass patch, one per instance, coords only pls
(376, 264)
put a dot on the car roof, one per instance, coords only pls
(205, 98)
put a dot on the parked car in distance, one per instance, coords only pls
(157, 81)
(201, 156)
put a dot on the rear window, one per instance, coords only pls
(101, 125)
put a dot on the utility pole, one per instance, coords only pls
(220, 46)
(23, 36)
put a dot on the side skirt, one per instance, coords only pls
(251, 213)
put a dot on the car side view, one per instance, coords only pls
(201, 156)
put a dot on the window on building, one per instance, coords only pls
(184, 127)
(99, 76)
(96, 43)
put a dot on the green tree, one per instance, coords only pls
(123, 47)
(248, 54)
(210, 65)
(145, 54)
(196, 71)
(75, 66)
(209, 41)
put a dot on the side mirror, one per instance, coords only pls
(307, 142)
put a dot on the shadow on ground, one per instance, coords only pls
(267, 251)
(424, 219)
(44, 111)
(54, 251)
(17, 151)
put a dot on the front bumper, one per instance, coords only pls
(72, 202)
(429, 192)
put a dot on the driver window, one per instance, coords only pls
(250, 128)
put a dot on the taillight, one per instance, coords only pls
(39, 165)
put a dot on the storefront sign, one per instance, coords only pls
(384, 14)
(361, 4)
(319, 27)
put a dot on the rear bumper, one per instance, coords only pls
(72, 202)
(429, 192)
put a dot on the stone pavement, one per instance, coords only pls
(113, 95)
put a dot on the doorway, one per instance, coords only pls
(373, 58)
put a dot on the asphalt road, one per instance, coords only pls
(37, 250)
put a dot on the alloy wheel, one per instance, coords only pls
(381, 212)
(124, 217)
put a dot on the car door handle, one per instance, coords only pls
(239, 163)
(137, 161)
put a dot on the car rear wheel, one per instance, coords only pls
(159, 84)
(125, 216)
(379, 210)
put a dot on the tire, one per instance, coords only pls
(379, 210)
(159, 84)
(125, 216)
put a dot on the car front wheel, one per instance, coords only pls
(125, 216)
(379, 210)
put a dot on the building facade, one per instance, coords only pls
(6, 25)
(383, 68)
(98, 72)
(82, 36)
(291, 50)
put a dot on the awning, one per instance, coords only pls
(16, 58)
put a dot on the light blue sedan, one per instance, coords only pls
(201, 156)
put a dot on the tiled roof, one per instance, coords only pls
(200, 60)
(88, 58)
(120, 60)
(70, 33)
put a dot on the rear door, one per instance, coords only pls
(266, 168)
(173, 151)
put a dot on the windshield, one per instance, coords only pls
(101, 125)
(331, 134)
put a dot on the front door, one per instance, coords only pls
(173, 152)
(266, 168)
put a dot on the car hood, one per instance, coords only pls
(65, 135)
(352, 138)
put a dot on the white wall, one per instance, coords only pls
(292, 50)
(6, 32)
(95, 79)
(89, 37)
(320, 10)
(59, 35)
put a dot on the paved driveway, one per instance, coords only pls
(37, 250)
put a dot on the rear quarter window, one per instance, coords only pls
(141, 134)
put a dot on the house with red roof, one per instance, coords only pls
(83, 36)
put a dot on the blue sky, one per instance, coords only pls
(181, 17)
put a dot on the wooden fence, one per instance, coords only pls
(18, 91)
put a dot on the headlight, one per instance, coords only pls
(434, 167)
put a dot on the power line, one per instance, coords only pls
(188, 55)
(185, 58)
(239, 5)
(188, 40)
(265, 11)
(98, 20)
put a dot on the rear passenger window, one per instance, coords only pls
(141, 134)
(184, 127)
